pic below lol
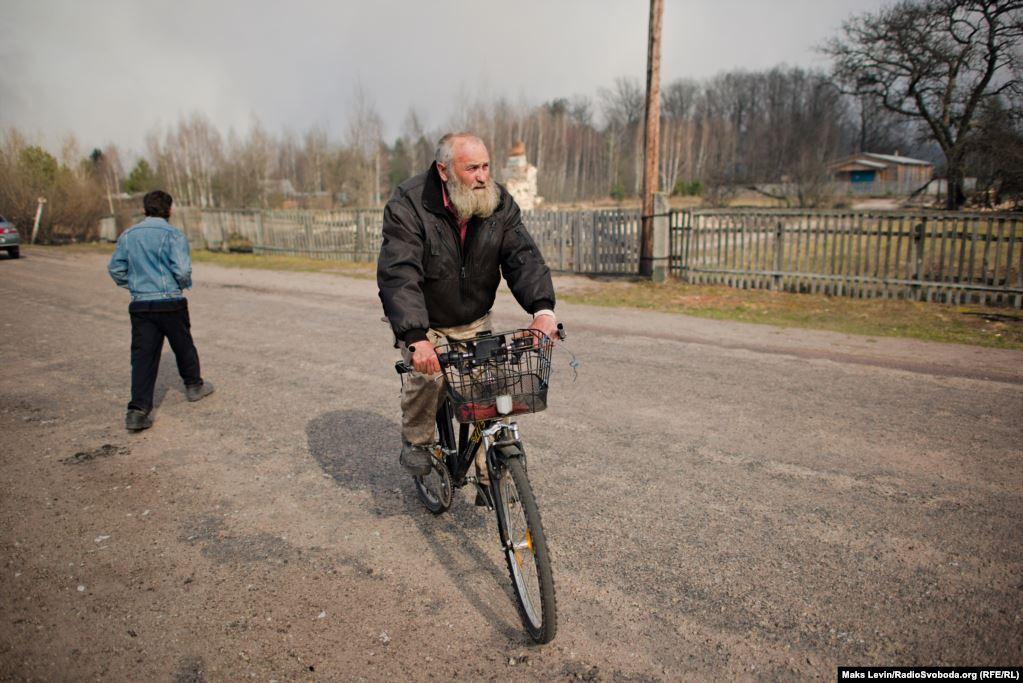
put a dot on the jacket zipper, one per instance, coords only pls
(462, 273)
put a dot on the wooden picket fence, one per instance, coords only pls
(603, 242)
(341, 235)
(927, 256)
(592, 242)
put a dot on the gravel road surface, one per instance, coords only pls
(723, 500)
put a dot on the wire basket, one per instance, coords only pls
(494, 375)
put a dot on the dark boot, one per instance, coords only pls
(195, 392)
(136, 420)
(416, 459)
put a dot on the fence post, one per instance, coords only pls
(577, 238)
(561, 218)
(686, 221)
(918, 255)
(662, 229)
(360, 236)
(260, 235)
(307, 218)
(224, 233)
(779, 230)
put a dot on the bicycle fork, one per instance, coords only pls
(501, 442)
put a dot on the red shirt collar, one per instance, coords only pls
(447, 203)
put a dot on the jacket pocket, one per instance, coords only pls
(485, 256)
(439, 264)
(529, 250)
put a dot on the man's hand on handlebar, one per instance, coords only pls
(424, 357)
(546, 324)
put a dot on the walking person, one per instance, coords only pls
(152, 261)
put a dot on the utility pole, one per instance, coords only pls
(39, 214)
(652, 137)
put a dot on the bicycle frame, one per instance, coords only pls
(497, 377)
(459, 455)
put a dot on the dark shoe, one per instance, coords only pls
(416, 459)
(136, 420)
(195, 392)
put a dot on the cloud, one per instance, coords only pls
(112, 70)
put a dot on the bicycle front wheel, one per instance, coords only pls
(529, 561)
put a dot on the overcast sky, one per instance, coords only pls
(110, 71)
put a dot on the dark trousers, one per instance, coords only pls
(151, 322)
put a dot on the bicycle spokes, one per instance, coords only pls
(526, 552)
(522, 547)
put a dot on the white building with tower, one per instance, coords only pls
(519, 177)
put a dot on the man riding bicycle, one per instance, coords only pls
(449, 234)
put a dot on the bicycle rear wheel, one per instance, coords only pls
(526, 551)
(435, 488)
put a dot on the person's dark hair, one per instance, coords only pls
(157, 203)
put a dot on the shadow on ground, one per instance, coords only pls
(359, 450)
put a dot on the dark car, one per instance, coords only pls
(10, 240)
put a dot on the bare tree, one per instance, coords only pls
(315, 151)
(879, 129)
(678, 100)
(365, 133)
(934, 60)
(996, 154)
(417, 142)
(623, 108)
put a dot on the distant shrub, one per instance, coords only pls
(684, 189)
(74, 196)
(618, 192)
(239, 244)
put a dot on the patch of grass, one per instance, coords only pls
(79, 248)
(999, 328)
(239, 260)
(289, 263)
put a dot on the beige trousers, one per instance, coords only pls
(421, 394)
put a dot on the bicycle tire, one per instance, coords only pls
(435, 489)
(528, 558)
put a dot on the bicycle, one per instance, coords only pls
(488, 379)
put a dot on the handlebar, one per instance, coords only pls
(517, 344)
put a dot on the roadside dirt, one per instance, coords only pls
(723, 500)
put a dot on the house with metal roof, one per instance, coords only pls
(889, 173)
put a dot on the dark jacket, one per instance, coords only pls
(427, 279)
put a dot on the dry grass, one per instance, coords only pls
(290, 263)
(265, 262)
(1000, 328)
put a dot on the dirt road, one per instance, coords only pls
(723, 500)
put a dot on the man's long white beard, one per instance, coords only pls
(468, 202)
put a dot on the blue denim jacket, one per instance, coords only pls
(152, 260)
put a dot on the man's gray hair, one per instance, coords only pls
(446, 146)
